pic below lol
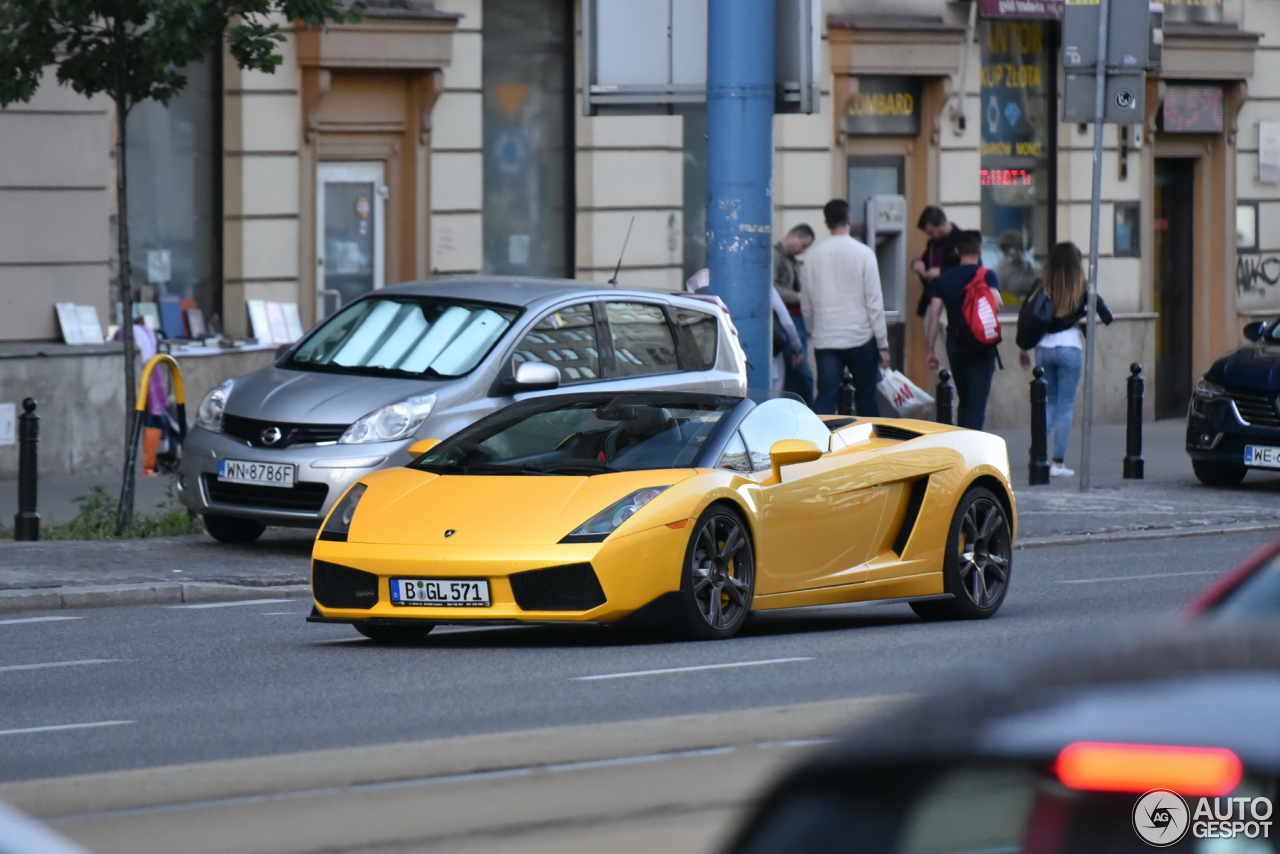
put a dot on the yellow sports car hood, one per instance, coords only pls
(409, 507)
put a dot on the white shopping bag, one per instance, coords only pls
(902, 396)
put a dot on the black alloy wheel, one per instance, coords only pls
(232, 529)
(978, 560)
(394, 634)
(1211, 473)
(719, 575)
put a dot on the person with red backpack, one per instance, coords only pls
(971, 295)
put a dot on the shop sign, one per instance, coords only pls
(883, 106)
(1028, 9)
(1192, 109)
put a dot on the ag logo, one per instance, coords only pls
(449, 533)
(1161, 818)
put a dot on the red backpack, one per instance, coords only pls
(981, 313)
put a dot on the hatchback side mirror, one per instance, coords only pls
(1253, 331)
(534, 376)
(788, 452)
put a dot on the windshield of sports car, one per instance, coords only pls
(1257, 598)
(583, 436)
(405, 336)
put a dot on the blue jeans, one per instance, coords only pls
(799, 378)
(972, 374)
(864, 363)
(1062, 367)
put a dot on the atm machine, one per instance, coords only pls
(886, 232)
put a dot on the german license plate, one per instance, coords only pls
(262, 474)
(1262, 456)
(439, 593)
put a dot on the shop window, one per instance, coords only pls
(1017, 168)
(528, 137)
(1127, 244)
(175, 189)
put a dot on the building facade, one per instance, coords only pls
(449, 137)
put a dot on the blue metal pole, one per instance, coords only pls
(740, 62)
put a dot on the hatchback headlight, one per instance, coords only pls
(607, 520)
(397, 421)
(209, 415)
(338, 525)
(1206, 390)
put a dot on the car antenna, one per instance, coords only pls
(625, 240)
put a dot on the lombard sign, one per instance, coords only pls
(883, 106)
(1031, 9)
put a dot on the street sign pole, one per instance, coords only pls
(1095, 216)
(740, 105)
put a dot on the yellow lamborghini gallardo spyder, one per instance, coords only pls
(691, 510)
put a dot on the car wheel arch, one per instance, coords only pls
(1001, 491)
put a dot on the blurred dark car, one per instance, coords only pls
(1149, 743)
(1233, 423)
(1251, 591)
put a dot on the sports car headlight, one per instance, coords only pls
(607, 520)
(209, 415)
(1206, 390)
(338, 525)
(397, 421)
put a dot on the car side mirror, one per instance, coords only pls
(421, 446)
(534, 376)
(791, 451)
(1253, 331)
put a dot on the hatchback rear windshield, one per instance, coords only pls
(405, 336)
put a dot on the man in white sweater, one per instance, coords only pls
(843, 308)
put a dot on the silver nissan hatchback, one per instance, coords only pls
(422, 360)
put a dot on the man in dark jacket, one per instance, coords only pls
(939, 255)
(786, 279)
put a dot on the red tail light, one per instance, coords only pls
(1141, 767)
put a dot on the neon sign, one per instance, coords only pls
(1007, 177)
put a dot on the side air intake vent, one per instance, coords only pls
(900, 434)
(337, 586)
(573, 587)
(909, 519)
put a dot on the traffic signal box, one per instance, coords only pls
(1135, 39)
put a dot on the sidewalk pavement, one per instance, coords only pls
(51, 575)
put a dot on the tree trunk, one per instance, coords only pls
(126, 296)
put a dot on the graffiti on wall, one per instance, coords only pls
(1257, 273)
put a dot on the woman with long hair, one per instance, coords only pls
(1060, 351)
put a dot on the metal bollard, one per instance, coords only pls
(844, 395)
(26, 523)
(1038, 469)
(1133, 464)
(945, 397)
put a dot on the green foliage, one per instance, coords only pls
(135, 50)
(96, 520)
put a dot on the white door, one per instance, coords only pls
(350, 249)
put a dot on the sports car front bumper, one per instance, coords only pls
(540, 583)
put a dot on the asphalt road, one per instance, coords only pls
(198, 683)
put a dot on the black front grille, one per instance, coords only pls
(573, 587)
(901, 434)
(1255, 407)
(304, 496)
(250, 430)
(338, 586)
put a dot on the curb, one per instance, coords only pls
(1150, 534)
(160, 593)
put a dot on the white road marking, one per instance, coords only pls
(688, 669)
(60, 727)
(1139, 577)
(203, 605)
(37, 620)
(11, 667)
